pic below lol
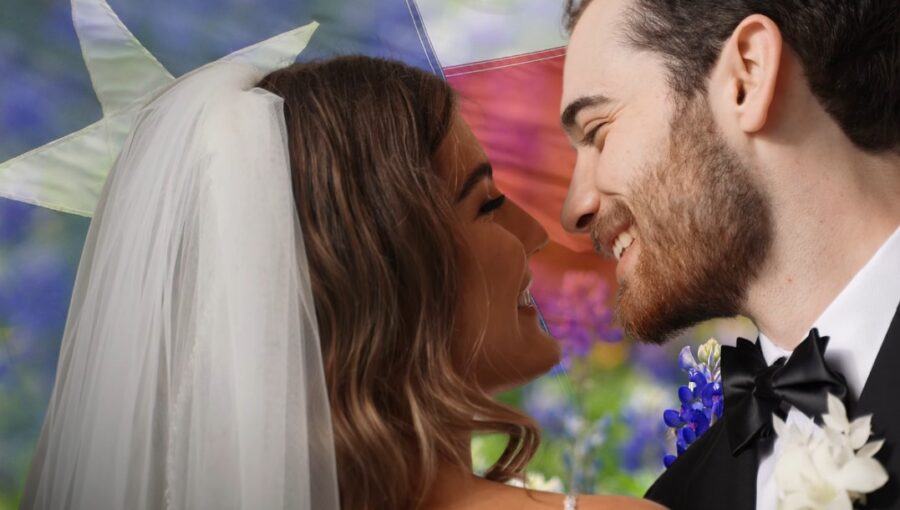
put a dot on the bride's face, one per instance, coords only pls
(499, 341)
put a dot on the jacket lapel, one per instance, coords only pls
(708, 476)
(879, 398)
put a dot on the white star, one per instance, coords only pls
(67, 174)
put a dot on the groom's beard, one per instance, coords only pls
(704, 229)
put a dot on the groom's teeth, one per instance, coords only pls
(623, 242)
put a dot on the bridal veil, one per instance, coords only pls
(190, 374)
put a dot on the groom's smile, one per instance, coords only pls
(623, 242)
(615, 235)
(627, 250)
(656, 184)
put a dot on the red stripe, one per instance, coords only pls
(487, 65)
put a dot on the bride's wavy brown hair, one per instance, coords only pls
(382, 248)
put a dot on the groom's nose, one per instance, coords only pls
(582, 202)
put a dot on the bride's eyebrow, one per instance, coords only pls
(482, 171)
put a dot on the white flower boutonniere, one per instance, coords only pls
(828, 467)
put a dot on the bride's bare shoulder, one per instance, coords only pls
(482, 494)
(616, 502)
(548, 500)
(522, 499)
(542, 500)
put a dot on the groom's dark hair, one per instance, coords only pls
(850, 51)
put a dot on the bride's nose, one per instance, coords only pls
(526, 228)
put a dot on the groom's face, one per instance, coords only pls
(655, 185)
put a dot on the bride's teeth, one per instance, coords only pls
(525, 298)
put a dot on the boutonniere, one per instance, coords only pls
(829, 467)
(701, 400)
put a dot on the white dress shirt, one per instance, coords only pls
(856, 322)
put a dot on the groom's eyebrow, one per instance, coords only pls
(567, 119)
(482, 171)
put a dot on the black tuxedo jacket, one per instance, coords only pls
(708, 476)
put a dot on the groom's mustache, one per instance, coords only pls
(610, 221)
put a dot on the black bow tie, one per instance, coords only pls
(754, 391)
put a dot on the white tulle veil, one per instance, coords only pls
(190, 374)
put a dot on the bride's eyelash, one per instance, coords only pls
(491, 205)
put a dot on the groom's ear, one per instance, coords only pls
(745, 77)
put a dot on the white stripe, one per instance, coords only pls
(419, 33)
(466, 31)
(451, 73)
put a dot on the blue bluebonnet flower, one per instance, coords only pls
(579, 314)
(15, 220)
(550, 407)
(4, 358)
(654, 362)
(25, 109)
(583, 461)
(645, 445)
(35, 288)
(561, 420)
(56, 25)
(701, 400)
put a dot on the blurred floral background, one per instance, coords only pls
(600, 411)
